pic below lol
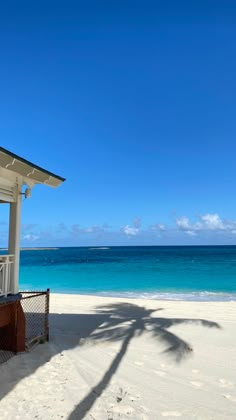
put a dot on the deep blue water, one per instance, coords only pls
(207, 273)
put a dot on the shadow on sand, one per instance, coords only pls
(116, 322)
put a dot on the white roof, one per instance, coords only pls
(29, 171)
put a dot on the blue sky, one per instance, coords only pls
(134, 104)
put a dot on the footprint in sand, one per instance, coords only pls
(132, 399)
(197, 384)
(226, 384)
(124, 409)
(171, 414)
(230, 397)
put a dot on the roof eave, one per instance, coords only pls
(31, 173)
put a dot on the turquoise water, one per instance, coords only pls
(193, 273)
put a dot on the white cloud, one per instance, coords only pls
(88, 230)
(206, 222)
(129, 230)
(93, 229)
(212, 222)
(183, 223)
(205, 228)
(190, 233)
(30, 237)
(158, 227)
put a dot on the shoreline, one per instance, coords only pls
(182, 296)
(70, 299)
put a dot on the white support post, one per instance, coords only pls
(14, 239)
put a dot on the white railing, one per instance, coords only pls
(6, 265)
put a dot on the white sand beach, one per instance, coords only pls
(111, 359)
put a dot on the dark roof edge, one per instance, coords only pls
(31, 164)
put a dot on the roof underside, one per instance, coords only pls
(28, 170)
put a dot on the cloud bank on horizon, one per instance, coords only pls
(206, 229)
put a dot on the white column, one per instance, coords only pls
(14, 239)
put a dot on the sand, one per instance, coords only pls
(113, 359)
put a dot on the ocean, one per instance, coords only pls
(154, 272)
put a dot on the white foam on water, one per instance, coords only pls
(100, 247)
(188, 296)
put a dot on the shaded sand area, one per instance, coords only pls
(111, 359)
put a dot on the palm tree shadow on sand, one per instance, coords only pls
(125, 321)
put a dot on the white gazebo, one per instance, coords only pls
(17, 177)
